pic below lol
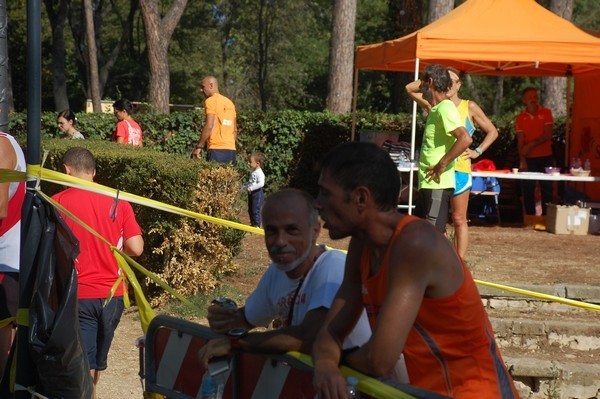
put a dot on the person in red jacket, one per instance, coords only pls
(97, 268)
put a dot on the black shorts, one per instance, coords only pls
(98, 324)
(9, 296)
(434, 206)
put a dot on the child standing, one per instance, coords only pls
(255, 187)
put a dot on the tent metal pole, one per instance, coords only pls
(354, 101)
(413, 134)
(568, 121)
(25, 369)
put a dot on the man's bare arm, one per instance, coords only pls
(484, 123)
(294, 338)
(341, 318)
(207, 129)
(414, 91)
(134, 246)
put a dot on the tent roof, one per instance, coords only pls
(491, 37)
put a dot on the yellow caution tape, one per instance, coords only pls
(9, 176)
(71, 181)
(548, 297)
(366, 384)
(6, 322)
(66, 180)
(124, 262)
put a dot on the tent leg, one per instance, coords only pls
(413, 134)
(354, 100)
(568, 122)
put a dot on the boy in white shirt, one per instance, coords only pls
(255, 187)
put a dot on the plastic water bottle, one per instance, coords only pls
(212, 386)
(352, 386)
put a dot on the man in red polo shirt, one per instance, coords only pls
(534, 140)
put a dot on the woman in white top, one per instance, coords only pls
(66, 124)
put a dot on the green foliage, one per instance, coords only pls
(293, 141)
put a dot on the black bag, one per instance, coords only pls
(57, 365)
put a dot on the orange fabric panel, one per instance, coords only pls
(585, 133)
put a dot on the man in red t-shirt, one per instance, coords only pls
(97, 268)
(534, 140)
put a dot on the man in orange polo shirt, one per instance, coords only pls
(220, 128)
(534, 140)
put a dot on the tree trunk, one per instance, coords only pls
(57, 18)
(554, 89)
(158, 36)
(92, 55)
(4, 106)
(341, 57)
(406, 17)
(499, 96)
(439, 8)
(264, 26)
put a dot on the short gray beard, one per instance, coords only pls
(288, 267)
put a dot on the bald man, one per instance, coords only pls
(220, 128)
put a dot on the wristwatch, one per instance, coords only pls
(479, 150)
(235, 334)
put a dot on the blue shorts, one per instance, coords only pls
(98, 324)
(464, 182)
(221, 156)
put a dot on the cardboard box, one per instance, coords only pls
(561, 219)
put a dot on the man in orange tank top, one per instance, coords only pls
(420, 297)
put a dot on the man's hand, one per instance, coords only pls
(328, 381)
(214, 348)
(435, 172)
(469, 153)
(222, 319)
(197, 152)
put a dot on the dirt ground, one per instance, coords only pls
(496, 254)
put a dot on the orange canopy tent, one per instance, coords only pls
(489, 37)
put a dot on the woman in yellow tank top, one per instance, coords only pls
(472, 114)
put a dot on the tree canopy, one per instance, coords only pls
(267, 54)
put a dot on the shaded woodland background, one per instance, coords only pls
(268, 54)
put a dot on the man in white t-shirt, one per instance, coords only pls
(297, 288)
